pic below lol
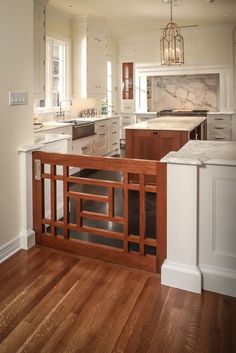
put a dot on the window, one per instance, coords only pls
(109, 86)
(57, 72)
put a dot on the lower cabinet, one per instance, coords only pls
(101, 142)
(126, 119)
(153, 145)
(114, 135)
(83, 146)
(221, 127)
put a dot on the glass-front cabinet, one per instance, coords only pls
(127, 81)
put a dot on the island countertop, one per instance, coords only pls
(171, 123)
(204, 152)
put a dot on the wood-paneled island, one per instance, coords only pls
(153, 139)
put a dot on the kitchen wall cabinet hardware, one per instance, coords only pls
(89, 59)
(39, 49)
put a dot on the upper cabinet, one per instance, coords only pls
(39, 48)
(89, 59)
(127, 81)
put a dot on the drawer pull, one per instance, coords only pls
(114, 144)
(84, 148)
(219, 138)
(219, 128)
(102, 134)
(219, 118)
(154, 132)
(115, 132)
(102, 125)
(115, 122)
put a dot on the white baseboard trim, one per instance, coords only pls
(10, 248)
(222, 281)
(27, 239)
(180, 276)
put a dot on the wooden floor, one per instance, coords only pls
(51, 302)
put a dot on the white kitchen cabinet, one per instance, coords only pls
(96, 74)
(114, 135)
(220, 127)
(39, 48)
(126, 119)
(89, 59)
(96, 38)
(101, 142)
(83, 146)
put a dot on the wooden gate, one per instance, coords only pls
(104, 211)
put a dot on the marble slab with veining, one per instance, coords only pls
(172, 123)
(204, 152)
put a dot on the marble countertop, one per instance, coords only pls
(204, 152)
(218, 113)
(49, 125)
(146, 113)
(173, 123)
(47, 138)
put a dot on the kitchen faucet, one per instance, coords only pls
(62, 113)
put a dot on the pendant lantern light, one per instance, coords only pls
(172, 43)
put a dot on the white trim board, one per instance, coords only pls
(24, 241)
(181, 276)
(10, 248)
(218, 280)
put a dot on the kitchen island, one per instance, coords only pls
(154, 138)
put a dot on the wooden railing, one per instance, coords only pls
(65, 219)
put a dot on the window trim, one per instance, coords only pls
(67, 43)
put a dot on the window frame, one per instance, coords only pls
(49, 73)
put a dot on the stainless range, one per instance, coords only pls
(178, 112)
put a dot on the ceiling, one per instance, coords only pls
(132, 16)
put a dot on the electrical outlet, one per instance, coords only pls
(18, 98)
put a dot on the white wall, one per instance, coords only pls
(204, 45)
(16, 72)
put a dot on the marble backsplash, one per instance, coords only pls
(183, 92)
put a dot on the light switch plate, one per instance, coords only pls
(18, 98)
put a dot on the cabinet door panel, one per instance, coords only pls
(96, 38)
(153, 145)
(96, 72)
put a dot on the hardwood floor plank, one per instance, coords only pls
(18, 308)
(141, 323)
(36, 316)
(64, 304)
(76, 295)
(92, 305)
